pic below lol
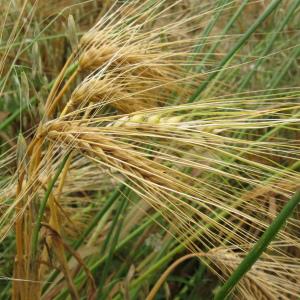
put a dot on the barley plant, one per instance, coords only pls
(149, 149)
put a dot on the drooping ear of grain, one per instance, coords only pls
(131, 67)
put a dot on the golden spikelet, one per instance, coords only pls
(133, 53)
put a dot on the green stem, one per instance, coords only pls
(235, 48)
(269, 46)
(223, 33)
(218, 11)
(98, 216)
(116, 226)
(37, 227)
(260, 246)
(285, 67)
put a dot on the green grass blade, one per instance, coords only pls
(120, 246)
(260, 246)
(210, 26)
(273, 5)
(118, 223)
(224, 32)
(37, 227)
(273, 38)
(285, 67)
(98, 216)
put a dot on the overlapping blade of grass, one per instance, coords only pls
(42, 208)
(228, 25)
(272, 6)
(112, 239)
(97, 218)
(220, 8)
(284, 68)
(270, 42)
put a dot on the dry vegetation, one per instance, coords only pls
(146, 146)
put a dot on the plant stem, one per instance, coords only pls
(98, 216)
(277, 31)
(37, 227)
(235, 48)
(260, 246)
(212, 50)
(114, 235)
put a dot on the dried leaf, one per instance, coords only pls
(3, 115)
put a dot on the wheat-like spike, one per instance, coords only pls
(117, 55)
(123, 156)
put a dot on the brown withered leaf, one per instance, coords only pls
(3, 115)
